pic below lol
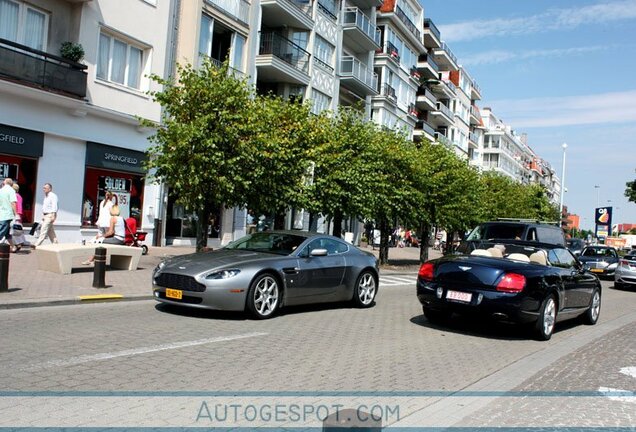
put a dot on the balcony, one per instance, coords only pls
(443, 115)
(389, 93)
(400, 20)
(240, 10)
(366, 4)
(358, 32)
(443, 139)
(412, 111)
(390, 51)
(426, 100)
(475, 117)
(329, 8)
(286, 13)
(427, 65)
(432, 37)
(415, 75)
(39, 69)
(357, 77)
(473, 138)
(445, 58)
(444, 88)
(423, 130)
(475, 92)
(279, 59)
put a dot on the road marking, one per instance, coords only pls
(630, 371)
(87, 358)
(629, 395)
(398, 280)
(100, 297)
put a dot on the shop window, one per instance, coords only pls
(22, 170)
(127, 187)
(183, 223)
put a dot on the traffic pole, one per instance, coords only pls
(4, 267)
(99, 272)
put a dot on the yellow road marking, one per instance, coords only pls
(101, 297)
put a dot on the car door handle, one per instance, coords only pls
(291, 270)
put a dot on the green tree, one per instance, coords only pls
(630, 192)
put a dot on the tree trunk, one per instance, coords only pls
(450, 237)
(337, 223)
(202, 229)
(384, 241)
(425, 229)
(279, 221)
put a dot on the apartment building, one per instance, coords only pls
(73, 123)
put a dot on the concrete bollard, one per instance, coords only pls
(99, 272)
(4, 268)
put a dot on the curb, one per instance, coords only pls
(89, 299)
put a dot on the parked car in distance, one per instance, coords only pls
(625, 275)
(264, 271)
(512, 229)
(600, 259)
(576, 245)
(526, 282)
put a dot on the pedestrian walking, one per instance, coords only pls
(17, 234)
(8, 209)
(49, 214)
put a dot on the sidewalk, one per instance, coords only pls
(29, 286)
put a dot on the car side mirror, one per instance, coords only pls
(318, 252)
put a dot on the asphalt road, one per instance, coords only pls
(143, 364)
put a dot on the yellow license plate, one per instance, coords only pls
(174, 294)
(597, 270)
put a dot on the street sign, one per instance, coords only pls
(603, 221)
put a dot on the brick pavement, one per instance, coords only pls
(29, 286)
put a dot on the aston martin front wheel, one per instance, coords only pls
(365, 290)
(263, 296)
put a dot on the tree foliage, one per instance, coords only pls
(630, 191)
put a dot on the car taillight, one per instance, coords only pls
(512, 283)
(426, 271)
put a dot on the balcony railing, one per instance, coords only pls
(423, 91)
(352, 67)
(425, 58)
(389, 92)
(238, 9)
(428, 23)
(448, 52)
(472, 136)
(412, 111)
(353, 15)
(392, 51)
(443, 139)
(284, 49)
(421, 124)
(452, 87)
(329, 7)
(21, 63)
(445, 110)
(476, 87)
(218, 63)
(415, 74)
(474, 111)
(407, 22)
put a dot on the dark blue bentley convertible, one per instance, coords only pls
(525, 282)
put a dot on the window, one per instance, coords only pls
(205, 37)
(565, 257)
(323, 51)
(23, 24)
(320, 101)
(237, 52)
(119, 61)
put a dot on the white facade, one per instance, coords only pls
(68, 117)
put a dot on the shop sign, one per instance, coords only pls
(8, 170)
(120, 187)
(21, 142)
(114, 158)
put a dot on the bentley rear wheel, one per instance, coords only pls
(547, 318)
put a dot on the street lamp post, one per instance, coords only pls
(565, 146)
(598, 195)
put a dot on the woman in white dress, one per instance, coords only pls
(103, 219)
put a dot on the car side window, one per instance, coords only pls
(314, 244)
(532, 234)
(334, 247)
(552, 258)
(565, 257)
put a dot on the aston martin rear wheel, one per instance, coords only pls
(590, 317)
(547, 318)
(263, 296)
(365, 290)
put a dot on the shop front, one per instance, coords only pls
(20, 150)
(117, 170)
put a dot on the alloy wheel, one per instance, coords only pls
(366, 289)
(266, 296)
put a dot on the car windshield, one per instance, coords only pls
(598, 252)
(497, 231)
(270, 242)
(575, 243)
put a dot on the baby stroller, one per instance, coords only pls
(133, 237)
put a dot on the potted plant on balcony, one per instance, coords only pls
(72, 51)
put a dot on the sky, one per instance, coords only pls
(562, 71)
